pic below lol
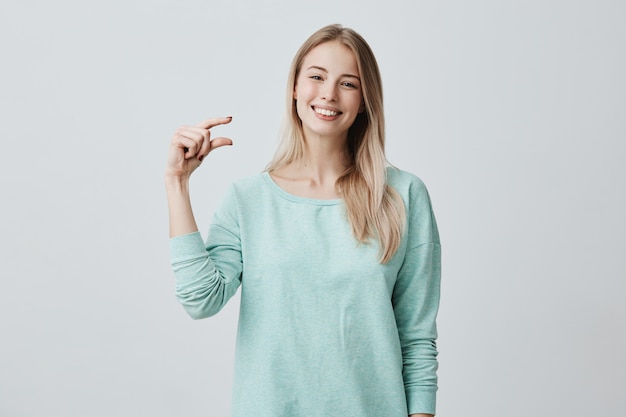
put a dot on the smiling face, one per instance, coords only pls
(328, 91)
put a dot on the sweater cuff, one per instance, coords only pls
(186, 247)
(421, 400)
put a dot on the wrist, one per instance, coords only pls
(176, 180)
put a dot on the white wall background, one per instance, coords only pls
(512, 112)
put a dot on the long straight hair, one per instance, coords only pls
(375, 210)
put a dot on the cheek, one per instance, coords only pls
(305, 90)
(301, 101)
(356, 103)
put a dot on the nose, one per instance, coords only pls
(329, 92)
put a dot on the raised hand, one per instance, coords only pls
(191, 144)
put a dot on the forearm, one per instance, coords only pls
(416, 301)
(181, 218)
(208, 273)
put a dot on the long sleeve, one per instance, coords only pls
(416, 302)
(208, 275)
(325, 329)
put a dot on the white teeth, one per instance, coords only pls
(326, 112)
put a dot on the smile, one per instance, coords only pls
(325, 112)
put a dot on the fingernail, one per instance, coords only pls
(229, 117)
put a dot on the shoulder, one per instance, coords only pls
(240, 199)
(243, 190)
(248, 187)
(406, 184)
(419, 212)
(249, 182)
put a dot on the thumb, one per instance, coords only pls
(219, 142)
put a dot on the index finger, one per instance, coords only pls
(214, 121)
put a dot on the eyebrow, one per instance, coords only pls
(326, 71)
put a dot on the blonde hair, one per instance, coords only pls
(375, 210)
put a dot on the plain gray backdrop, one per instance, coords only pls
(512, 112)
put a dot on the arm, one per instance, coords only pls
(206, 277)
(189, 146)
(416, 302)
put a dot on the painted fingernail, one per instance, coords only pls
(229, 117)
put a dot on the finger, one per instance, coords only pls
(214, 121)
(198, 135)
(213, 144)
(195, 133)
(189, 146)
(219, 142)
(206, 147)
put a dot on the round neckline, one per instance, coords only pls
(297, 199)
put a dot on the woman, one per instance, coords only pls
(337, 254)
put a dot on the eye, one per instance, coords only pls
(316, 77)
(348, 84)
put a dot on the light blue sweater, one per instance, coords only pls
(324, 329)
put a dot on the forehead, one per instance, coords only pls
(332, 56)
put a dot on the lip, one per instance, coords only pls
(334, 109)
(325, 117)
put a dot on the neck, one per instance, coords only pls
(324, 159)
